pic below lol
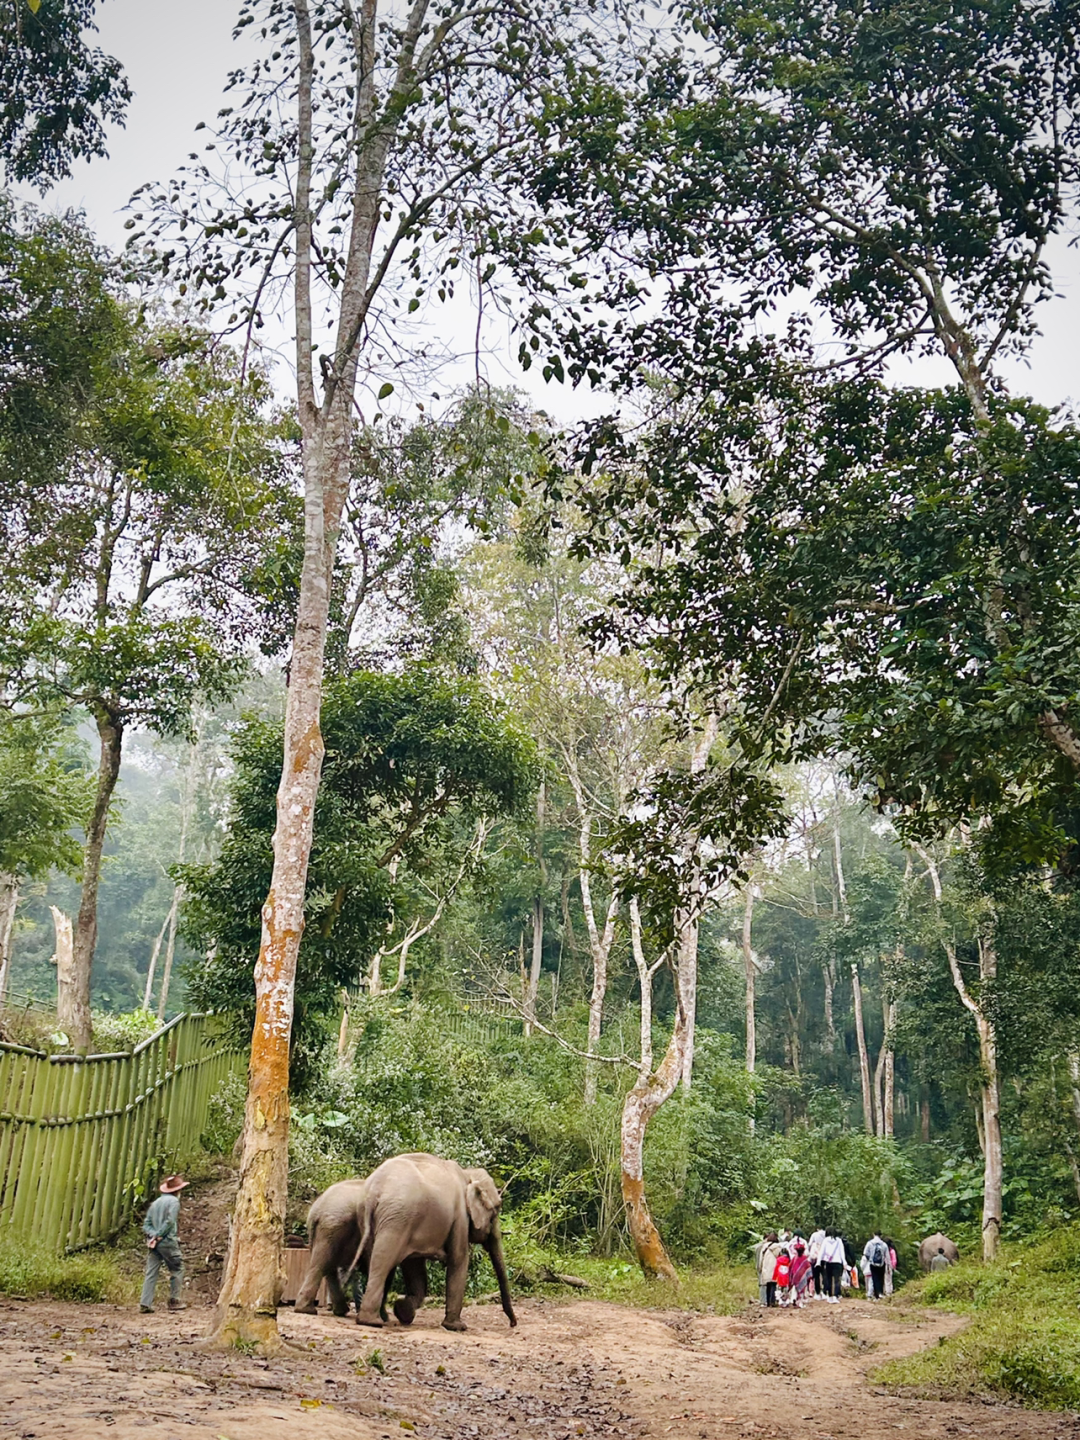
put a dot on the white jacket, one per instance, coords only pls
(832, 1250)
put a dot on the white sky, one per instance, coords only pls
(177, 54)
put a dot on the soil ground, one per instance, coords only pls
(582, 1368)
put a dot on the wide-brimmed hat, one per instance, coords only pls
(173, 1184)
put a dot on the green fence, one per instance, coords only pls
(81, 1139)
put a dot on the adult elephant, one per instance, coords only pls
(420, 1208)
(335, 1225)
(932, 1244)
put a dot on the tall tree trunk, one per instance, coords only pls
(343, 1027)
(533, 986)
(644, 1099)
(1074, 1085)
(170, 951)
(111, 738)
(924, 1116)
(247, 1304)
(888, 1108)
(993, 1168)
(251, 1288)
(148, 990)
(600, 946)
(828, 975)
(67, 1005)
(989, 1113)
(864, 1058)
(750, 966)
(686, 975)
(9, 900)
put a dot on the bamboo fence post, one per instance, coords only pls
(46, 1083)
(55, 1169)
(75, 1132)
(73, 1222)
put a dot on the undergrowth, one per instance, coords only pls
(1023, 1339)
(29, 1272)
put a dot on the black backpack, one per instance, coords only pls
(878, 1254)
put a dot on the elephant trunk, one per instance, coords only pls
(493, 1246)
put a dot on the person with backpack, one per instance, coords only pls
(876, 1255)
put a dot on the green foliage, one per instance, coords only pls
(410, 760)
(29, 1272)
(60, 318)
(59, 90)
(46, 793)
(1023, 1340)
(225, 1115)
(114, 1031)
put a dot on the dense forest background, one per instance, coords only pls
(698, 816)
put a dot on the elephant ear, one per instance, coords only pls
(482, 1201)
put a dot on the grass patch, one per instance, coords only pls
(719, 1289)
(1023, 1341)
(28, 1272)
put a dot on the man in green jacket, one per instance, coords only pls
(163, 1246)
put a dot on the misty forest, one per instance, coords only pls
(533, 594)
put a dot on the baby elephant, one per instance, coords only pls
(419, 1208)
(335, 1224)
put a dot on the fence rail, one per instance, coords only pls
(81, 1139)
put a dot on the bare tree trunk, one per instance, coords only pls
(251, 1286)
(828, 974)
(533, 986)
(879, 1080)
(111, 735)
(686, 975)
(924, 1116)
(600, 948)
(864, 1058)
(993, 1173)
(343, 1028)
(1074, 1078)
(9, 900)
(148, 991)
(989, 1114)
(645, 1098)
(644, 985)
(750, 965)
(889, 1097)
(170, 951)
(67, 1007)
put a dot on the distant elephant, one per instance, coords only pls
(419, 1208)
(932, 1244)
(335, 1225)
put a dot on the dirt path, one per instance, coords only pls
(581, 1369)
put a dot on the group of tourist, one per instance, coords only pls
(792, 1270)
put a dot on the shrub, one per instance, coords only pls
(225, 1115)
(1023, 1342)
(29, 1271)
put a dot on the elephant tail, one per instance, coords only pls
(365, 1240)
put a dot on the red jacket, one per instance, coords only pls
(782, 1275)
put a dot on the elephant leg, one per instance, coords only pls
(414, 1277)
(457, 1274)
(384, 1257)
(339, 1301)
(322, 1262)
